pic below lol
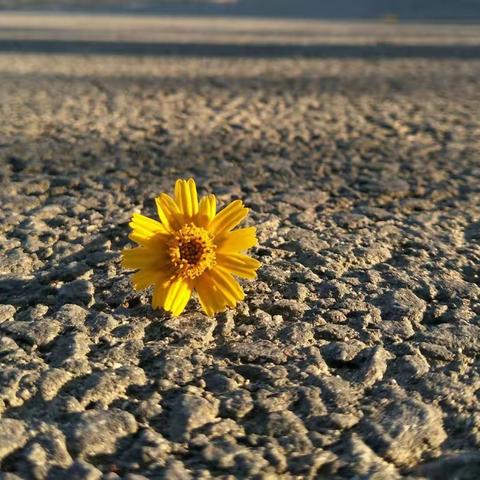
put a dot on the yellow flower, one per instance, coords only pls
(191, 248)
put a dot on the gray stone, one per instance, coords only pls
(71, 315)
(455, 338)
(337, 391)
(310, 403)
(13, 435)
(177, 369)
(97, 431)
(366, 465)
(464, 466)
(403, 430)
(34, 313)
(341, 352)
(36, 332)
(436, 352)
(101, 324)
(402, 304)
(7, 312)
(334, 289)
(106, 386)
(297, 291)
(9, 476)
(289, 431)
(375, 367)
(81, 470)
(70, 351)
(190, 412)
(79, 292)
(236, 404)
(397, 329)
(299, 334)
(46, 451)
(52, 381)
(176, 469)
(196, 328)
(259, 351)
(412, 366)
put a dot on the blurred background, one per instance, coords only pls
(163, 80)
(73, 66)
(465, 10)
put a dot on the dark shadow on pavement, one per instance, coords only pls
(239, 50)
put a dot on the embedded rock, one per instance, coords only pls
(13, 435)
(97, 431)
(190, 412)
(403, 430)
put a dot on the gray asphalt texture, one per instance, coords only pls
(355, 353)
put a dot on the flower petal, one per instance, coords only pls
(228, 218)
(136, 258)
(236, 241)
(211, 300)
(179, 292)
(181, 300)
(168, 212)
(186, 197)
(140, 237)
(230, 289)
(143, 279)
(206, 210)
(160, 291)
(238, 264)
(144, 257)
(145, 226)
(193, 195)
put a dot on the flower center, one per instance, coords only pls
(191, 251)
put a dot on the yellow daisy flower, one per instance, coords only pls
(191, 248)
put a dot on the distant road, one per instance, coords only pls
(338, 9)
(230, 37)
(408, 10)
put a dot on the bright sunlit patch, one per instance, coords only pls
(191, 248)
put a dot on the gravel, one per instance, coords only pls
(355, 353)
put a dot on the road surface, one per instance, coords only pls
(356, 146)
